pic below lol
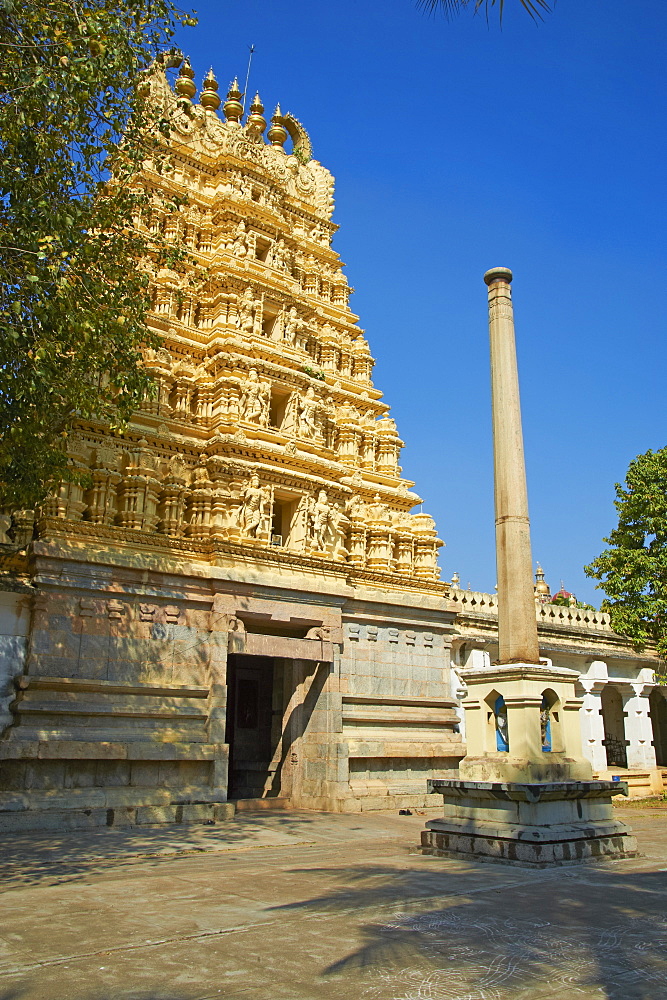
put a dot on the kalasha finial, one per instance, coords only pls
(256, 120)
(209, 98)
(277, 134)
(232, 108)
(185, 85)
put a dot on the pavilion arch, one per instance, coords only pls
(497, 736)
(613, 717)
(550, 722)
(658, 712)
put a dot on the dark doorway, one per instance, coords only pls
(658, 707)
(614, 727)
(249, 729)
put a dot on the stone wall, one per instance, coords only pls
(14, 628)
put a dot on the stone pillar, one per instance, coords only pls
(517, 626)
(517, 799)
(218, 641)
(638, 729)
(592, 723)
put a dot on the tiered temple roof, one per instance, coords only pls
(267, 439)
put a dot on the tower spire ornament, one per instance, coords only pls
(185, 82)
(209, 95)
(232, 108)
(256, 121)
(277, 134)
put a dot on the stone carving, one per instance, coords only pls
(241, 244)
(115, 610)
(279, 257)
(292, 325)
(307, 409)
(139, 489)
(320, 516)
(234, 624)
(273, 307)
(251, 512)
(254, 405)
(173, 498)
(5, 525)
(247, 306)
(87, 608)
(24, 525)
(355, 508)
(322, 632)
(177, 469)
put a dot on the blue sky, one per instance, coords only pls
(457, 147)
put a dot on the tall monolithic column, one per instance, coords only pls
(530, 801)
(517, 624)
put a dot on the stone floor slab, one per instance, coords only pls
(308, 906)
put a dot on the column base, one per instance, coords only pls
(535, 825)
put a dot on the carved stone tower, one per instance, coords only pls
(264, 371)
(241, 602)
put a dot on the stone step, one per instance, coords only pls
(152, 807)
(255, 805)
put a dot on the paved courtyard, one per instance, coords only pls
(306, 905)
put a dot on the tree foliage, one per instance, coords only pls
(76, 126)
(536, 8)
(633, 570)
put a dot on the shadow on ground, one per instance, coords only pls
(570, 932)
(31, 857)
(20, 994)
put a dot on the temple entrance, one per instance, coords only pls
(272, 703)
(614, 727)
(658, 707)
(250, 700)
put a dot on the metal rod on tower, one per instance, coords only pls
(247, 76)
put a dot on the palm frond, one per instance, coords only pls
(536, 8)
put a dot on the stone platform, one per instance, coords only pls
(536, 824)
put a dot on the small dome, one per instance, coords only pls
(541, 586)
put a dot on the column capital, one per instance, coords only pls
(498, 274)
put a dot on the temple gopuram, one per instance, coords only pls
(241, 604)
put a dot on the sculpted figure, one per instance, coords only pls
(307, 413)
(177, 469)
(5, 525)
(200, 476)
(278, 256)
(355, 508)
(272, 255)
(254, 399)
(240, 247)
(246, 316)
(291, 325)
(320, 518)
(250, 513)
